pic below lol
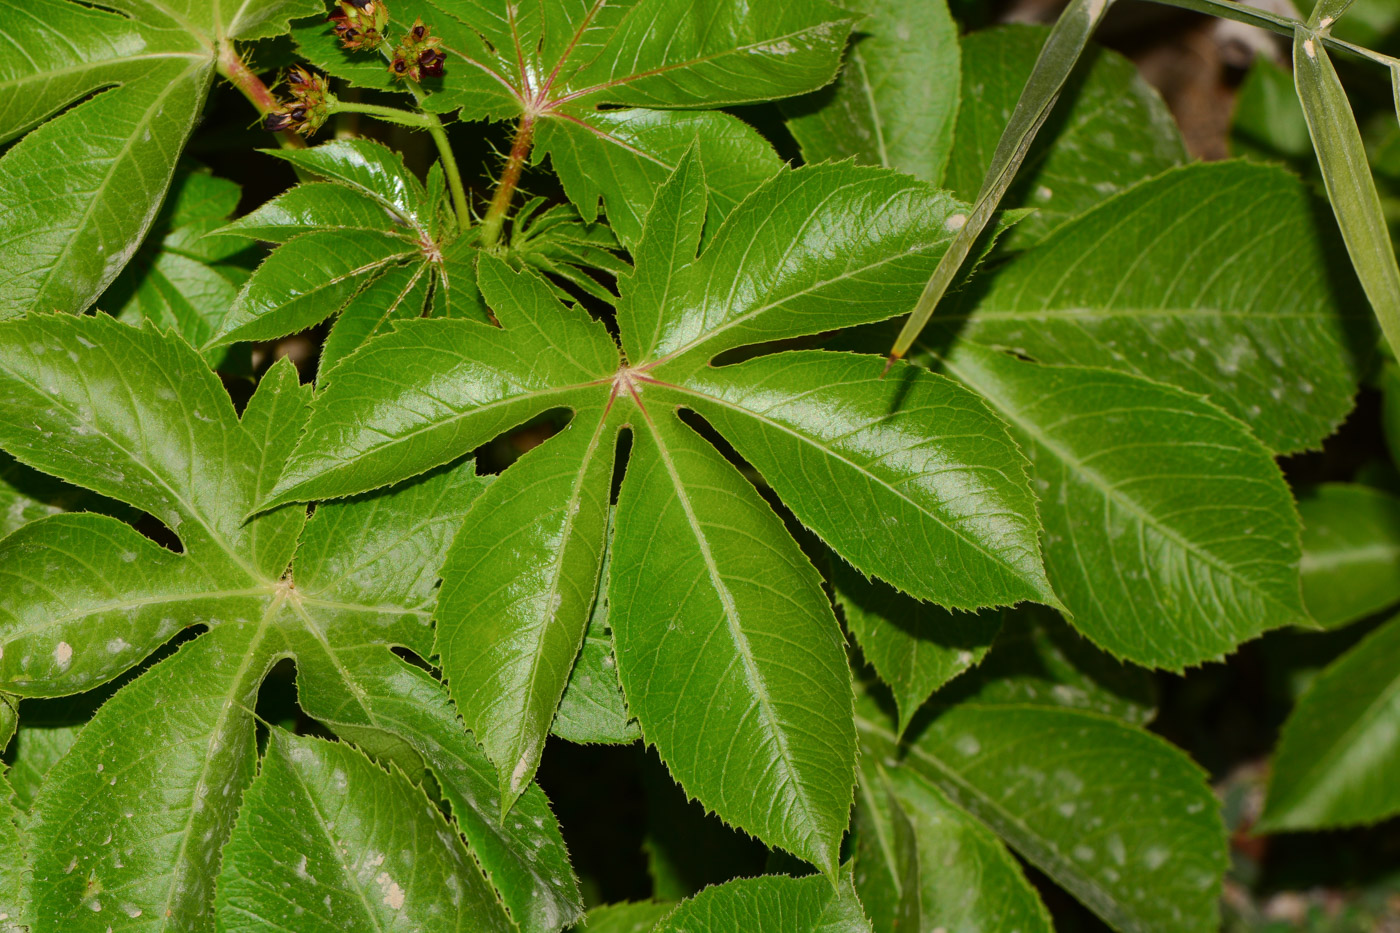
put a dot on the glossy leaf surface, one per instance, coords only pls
(1170, 535)
(801, 905)
(1139, 285)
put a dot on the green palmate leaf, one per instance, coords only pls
(83, 189)
(1062, 49)
(896, 101)
(914, 647)
(375, 172)
(1339, 750)
(1118, 817)
(87, 598)
(371, 851)
(36, 747)
(181, 279)
(398, 294)
(1170, 534)
(592, 708)
(922, 863)
(1129, 287)
(557, 242)
(706, 655)
(640, 917)
(609, 89)
(794, 905)
(1110, 131)
(1351, 552)
(1039, 660)
(1347, 173)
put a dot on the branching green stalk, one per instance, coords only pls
(510, 179)
(1273, 22)
(422, 121)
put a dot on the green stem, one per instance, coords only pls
(431, 123)
(386, 114)
(1272, 22)
(454, 175)
(510, 178)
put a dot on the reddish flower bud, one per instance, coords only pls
(431, 63)
(276, 122)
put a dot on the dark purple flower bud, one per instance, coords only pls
(419, 31)
(276, 122)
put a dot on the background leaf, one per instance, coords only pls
(800, 905)
(1341, 744)
(1351, 552)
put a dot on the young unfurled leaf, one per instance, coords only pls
(806, 905)
(145, 421)
(1339, 751)
(1351, 552)
(922, 863)
(81, 191)
(706, 652)
(1142, 295)
(370, 850)
(639, 917)
(1119, 818)
(612, 91)
(897, 99)
(1170, 534)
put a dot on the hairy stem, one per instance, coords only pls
(386, 114)
(510, 179)
(454, 175)
(236, 72)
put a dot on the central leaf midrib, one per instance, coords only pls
(738, 638)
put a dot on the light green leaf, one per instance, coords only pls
(1170, 534)
(639, 917)
(399, 294)
(1268, 123)
(1145, 284)
(914, 647)
(794, 905)
(896, 101)
(922, 863)
(1039, 660)
(518, 594)
(36, 748)
(306, 281)
(592, 709)
(373, 170)
(316, 206)
(1339, 751)
(740, 681)
(27, 496)
(463, 382)
(1351, 552)
(1110, 131)
(621, 156)
(1347, 173)
(841, 445)
(1115, 815)
(371, 851)
(1063, 46)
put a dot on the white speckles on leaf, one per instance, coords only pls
(393, 894)
(63, 655)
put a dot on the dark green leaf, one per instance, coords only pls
(794, 905)
(1339, 751)
(1351, 552)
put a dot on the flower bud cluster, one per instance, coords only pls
(418, 55)
(359, 24)
(309, 107)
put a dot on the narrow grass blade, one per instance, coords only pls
(1347, 173)
(1062, 50)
